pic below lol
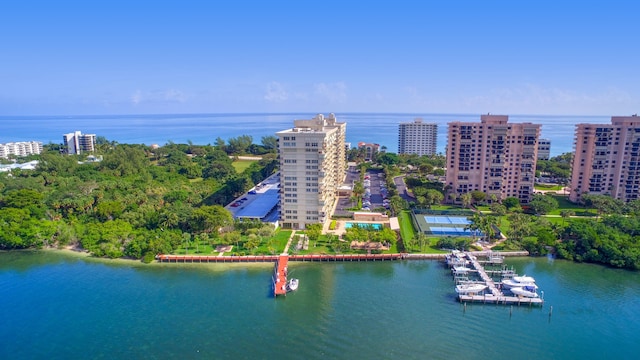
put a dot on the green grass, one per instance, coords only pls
(406, 226)
(565, 204)
(547, 187)
(242, 165)
(278, 242)
(445, 207)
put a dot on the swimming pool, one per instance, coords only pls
(375, 226)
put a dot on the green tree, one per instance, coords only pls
(543, 204)
(434, 197)
(270, 142)
(466, 199)
(566, 213)
(313, 232)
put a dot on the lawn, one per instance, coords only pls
(242, 165)
(565, 204)
(406, 226)
(547, 187)
(278, 242)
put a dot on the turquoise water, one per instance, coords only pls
(60, 307)
(349, 225)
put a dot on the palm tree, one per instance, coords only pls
(566, 214)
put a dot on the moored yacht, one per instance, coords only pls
(527, 291)
(464, 289)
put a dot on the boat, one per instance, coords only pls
(456, 258)
(519, 281)
(511, 283)
(524, 279)
(460, 269)
(464, 289)
(292, 284)
(527, 291)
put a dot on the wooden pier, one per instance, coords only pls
(280, 276)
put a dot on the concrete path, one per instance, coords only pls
(286, 248)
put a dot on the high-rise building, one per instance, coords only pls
(312, 168)
(607, 159)
(492, 156)
(544, 149)
(21, 148)
(417, 138)
(77, 143)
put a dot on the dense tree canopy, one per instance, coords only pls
(137, 200)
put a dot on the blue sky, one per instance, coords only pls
(137, 57)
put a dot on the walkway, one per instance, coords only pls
(286, 248)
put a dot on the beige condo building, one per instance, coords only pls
(492, 156)
(312, 168)
(607, 159)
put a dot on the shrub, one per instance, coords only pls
(332, 225)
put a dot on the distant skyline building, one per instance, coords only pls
(312, 168)
(606, 160)
(417, 137)
(544, 149)
(20, 148)
(78, 143)
(492, 156)
(370, 150)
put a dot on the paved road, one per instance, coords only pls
(402, 188)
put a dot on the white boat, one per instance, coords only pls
(524, 279)
(526, 291)
(456, 258)
(292, 284)
(460, 269)
(511, 283)
(463, 289)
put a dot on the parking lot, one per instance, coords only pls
(375, 192)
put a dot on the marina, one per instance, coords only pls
(485, 289)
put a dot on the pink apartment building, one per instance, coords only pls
(607, 159)
(492, 156)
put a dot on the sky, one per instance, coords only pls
(166, 57)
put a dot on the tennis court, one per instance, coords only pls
(444, 225)
(445, 219)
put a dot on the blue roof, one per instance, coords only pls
(259, 207)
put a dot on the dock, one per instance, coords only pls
(484, 276)
(495, 295)
(501, 300)
(280, 276)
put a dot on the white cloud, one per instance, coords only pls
(335, 93)
(275, 92)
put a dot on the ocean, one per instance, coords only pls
(60, 306)
(202, 129)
